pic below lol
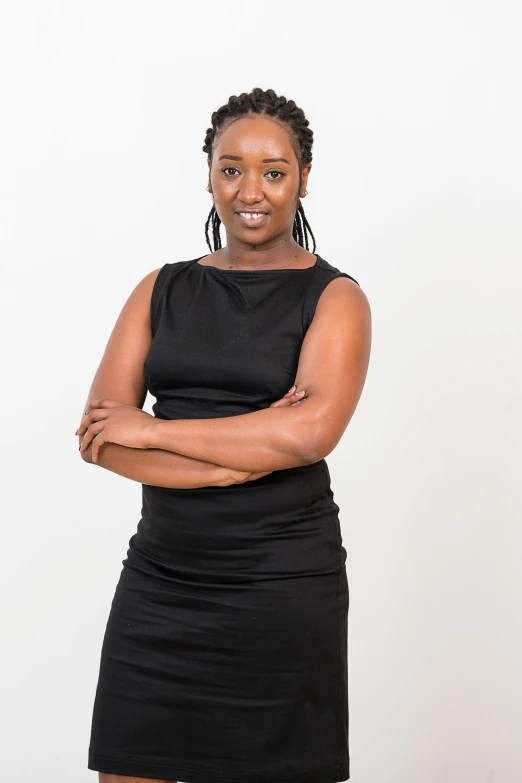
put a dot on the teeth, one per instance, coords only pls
(251, 215)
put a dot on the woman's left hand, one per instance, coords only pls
(110, 421)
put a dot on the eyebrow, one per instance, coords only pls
(265, 160)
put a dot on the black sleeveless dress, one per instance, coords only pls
(225, 652)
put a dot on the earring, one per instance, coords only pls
(305, 193)
(208, 188)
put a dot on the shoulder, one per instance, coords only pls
(143, 289)
(343, 302)
(143, 292)
(169, 269)
(342, 296)
(139, 300)
(340, 287)
(154, 281)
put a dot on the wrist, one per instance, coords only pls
(154, 434)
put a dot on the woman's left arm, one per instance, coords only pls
(333, 364)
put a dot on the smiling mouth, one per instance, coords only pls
(252, 218)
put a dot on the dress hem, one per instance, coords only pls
(112, 765)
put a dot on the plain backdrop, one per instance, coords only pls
(415, 190)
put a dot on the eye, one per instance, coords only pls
(228, 168)
(272, 171)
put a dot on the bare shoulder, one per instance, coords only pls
(334, 360)
(143, 290)
(151, 276)
(133, 323)
(137, 307)
(343, 296)
(120, 374)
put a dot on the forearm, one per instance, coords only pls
(160, 468)
(269, 439)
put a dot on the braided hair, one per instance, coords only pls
(267, 103)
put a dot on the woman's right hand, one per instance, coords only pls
(290, 399)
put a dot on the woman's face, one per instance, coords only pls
(254, 167)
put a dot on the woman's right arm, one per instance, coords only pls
(120, 377)
(165, 469)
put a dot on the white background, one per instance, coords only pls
(416, 191)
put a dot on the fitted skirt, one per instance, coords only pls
(203, 680)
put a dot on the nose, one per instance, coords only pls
(251, 189)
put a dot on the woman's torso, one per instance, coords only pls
(227, 342)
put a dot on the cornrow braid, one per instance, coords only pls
(264, 102)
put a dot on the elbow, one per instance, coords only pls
(301, 450)
(309, 443)
(317, 443)
(313, 451)
(309, 457)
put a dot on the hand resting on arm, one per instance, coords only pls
(160, 468)
(332, 366)
(120, 379)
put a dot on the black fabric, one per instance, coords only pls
(225, 652)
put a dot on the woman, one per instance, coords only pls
(225, 652)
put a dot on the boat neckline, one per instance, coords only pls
(256, 271)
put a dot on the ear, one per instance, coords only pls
(306, 172)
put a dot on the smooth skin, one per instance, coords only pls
(333, 361)
(118, 435)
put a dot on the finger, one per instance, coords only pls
(288, 399)
(290, 391)
(93, 404)
(297, 397)
(86, 421)
(102, 402)
(91, 432)
(81, 429)
(84, 441)
(97, 443)
(96, 414)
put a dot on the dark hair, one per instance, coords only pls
(301, 137)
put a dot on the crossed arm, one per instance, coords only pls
(268, 439)
(163, 468)
(213, 456)
(332, 369)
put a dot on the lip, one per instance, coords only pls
(252, 222)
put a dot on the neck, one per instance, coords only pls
(238, 255)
